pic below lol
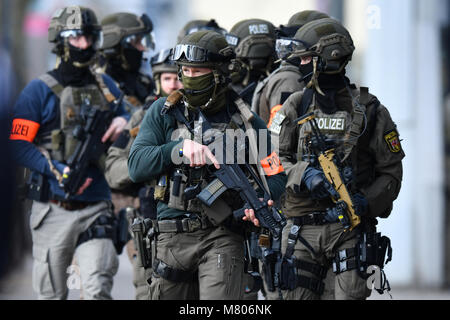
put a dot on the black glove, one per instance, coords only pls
(360, 204)
(318, 185)
(337, 213)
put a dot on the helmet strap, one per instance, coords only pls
(314, 82)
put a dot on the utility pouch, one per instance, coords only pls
(143, 234)
(288, 279)
(57, 144)
(38, 187)
(373, 249)
(161, 189)
(147, 202)
(177, 186)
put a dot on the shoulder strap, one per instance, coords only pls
(103, 87)
(247, 116)
(52, 83)
(262, 84)
(304, 104)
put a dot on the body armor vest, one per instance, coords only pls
(262, 84)
(184, 177)
(342, 129)
(74, 104)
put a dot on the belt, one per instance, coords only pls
(182, 225)
(313, 218)
(72, 205)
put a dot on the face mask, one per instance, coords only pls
(198, 89)
(133, 58)
(306, 71)
(79, 55)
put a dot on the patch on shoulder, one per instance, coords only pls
(392, 139)
(277, 120)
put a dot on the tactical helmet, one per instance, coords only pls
(73, 21)
(161, 63)
(198, 25)
(252, 39)
(204, 49)
(328, 40)
(285, 43)
(127, 28)
(303, 17)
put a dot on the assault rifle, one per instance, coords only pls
(232, 177)
(90, 148)
(330, 165)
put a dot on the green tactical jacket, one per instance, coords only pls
(151, 153)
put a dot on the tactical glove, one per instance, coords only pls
(335, 212)
(360, 204)
(318, 185)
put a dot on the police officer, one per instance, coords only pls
(198, 25)
(254, 43)
(271, 93)
(126, 38)
(165, 73)
(366, 147)
(199, 249)
(45, 115)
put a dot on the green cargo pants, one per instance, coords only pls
(325, 241)
(216, 253)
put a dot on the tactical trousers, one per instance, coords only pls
(325, 240)
(140, 277)
(55, 233)
(216, 253)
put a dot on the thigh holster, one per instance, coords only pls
(371, 250)
(163, 270)
(291, 267)
(104, 227)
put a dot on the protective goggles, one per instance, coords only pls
(287, 46)
(161, 57)
(192, 53)
(94, 37)
(141, 40)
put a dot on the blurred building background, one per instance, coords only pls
(402, 55)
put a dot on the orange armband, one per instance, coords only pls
(272, 164)
(23, 129)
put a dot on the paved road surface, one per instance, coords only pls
(18, 287)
